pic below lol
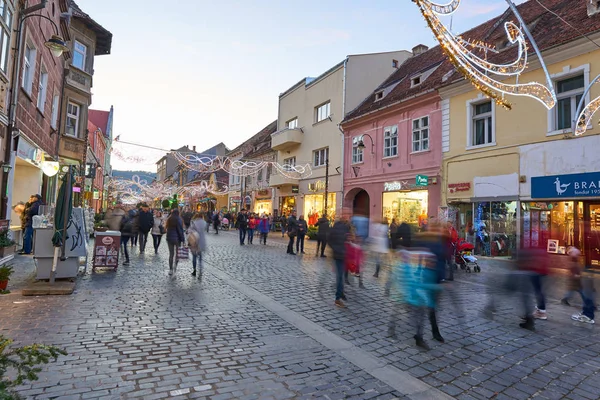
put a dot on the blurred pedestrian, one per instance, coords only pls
(252, 224)
(197, 241)
(175, 238)
(394, 234)
(146, 221)
(302, 229)
(216, 221)
(574, 279)
(292, 231)
(322, 231)
(587, 311)
(113, 217)
(283, 219)
(158, 230)
(380, 240)
(241, 223)
(404, 235)
(127, 232)
(337, 241)
(136, 227)
(360, 222)
(354, 259)
(264, 227)
(186, 216)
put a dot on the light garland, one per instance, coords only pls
(586, 114)
(476, 69)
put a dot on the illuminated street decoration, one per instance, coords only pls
(478, 70)
(585, 115)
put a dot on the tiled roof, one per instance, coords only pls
(103, 36)
(259, 143)
(547, 29)
(100, 119)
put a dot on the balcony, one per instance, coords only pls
(286, 139)
(278, 179)
(79, 79)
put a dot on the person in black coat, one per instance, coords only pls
(127, 232)
(336, 239)
(292, 231)
(145, 222)
(322, 232)
(241, 223)
(175, 238)
(32, 208)
(302, 230)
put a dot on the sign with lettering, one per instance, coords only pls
(400, 186)
(422, 180)
(318, 186)
(566, 186)
(459, 187)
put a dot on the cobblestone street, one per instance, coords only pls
(262, 324)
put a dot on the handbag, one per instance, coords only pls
(183, 253)
(162, 229)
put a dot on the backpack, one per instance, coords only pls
(127, 224)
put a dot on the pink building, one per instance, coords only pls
(393, 144)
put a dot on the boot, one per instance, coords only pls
(421, 343)
(434, 327)
(529, 324)
(194, 272)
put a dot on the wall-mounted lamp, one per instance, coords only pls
(361, 143)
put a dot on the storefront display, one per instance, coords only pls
(409, 206)
(263, 207)
(495, 228)
(287, 204)
(314, 204)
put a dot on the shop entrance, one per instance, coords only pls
(592, 235)
(361, 204)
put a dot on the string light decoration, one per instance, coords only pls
(478, 70)
(586, 113)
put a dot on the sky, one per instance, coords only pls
(203, 72)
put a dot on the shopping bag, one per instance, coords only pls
(183, 253)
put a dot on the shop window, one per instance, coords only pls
(409, 207)
(357, 153)
(420, 133)
(495, 228)
(314, 206)
(390, 141)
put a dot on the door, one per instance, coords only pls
(592, 235)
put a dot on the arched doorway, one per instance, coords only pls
(361, 205)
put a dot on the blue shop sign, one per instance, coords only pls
(566, 186)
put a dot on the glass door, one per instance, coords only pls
(592, 235)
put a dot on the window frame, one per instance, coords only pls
(54, 114)
(77, 119)
(356, 152)
(388, 138)
(84, 54)
(318, 113)
(29, 64)
(420, 129)
(6, 25)
(42, 89)
(289, 162)
(320, 157)
(289, 122)
(471, 105)
(567, 73)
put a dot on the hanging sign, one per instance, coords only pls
(422, 180)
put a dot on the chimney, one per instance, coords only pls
(419, 49)
(194, 149)
(593, 7)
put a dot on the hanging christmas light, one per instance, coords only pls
(586, 113)
(478, 70)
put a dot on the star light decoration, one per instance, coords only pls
(479, 71)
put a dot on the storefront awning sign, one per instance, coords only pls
(317, 186)
(459, 187)
(422, 180)
(566, 186)
(29, 152)
(397, 186)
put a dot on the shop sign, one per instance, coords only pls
(422, 180)
(318, 186)
(398, 186)
(459, 187)
(29, 152)
(96, 195)
(263, 194)
(295, 189)
(566, 186)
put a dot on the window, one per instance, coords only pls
(288, 163)
(79, 55)
(292, 123)
(569, 92)
(42, 89)
(483, 125)
(357, 154)
(320, 157)
(390, 141)
(379, 95)
(323, 111)
(54, 118)
(6, 16)
(395, 64)
(416, 81)
(28, 67)
(420, 133)
(72, 119)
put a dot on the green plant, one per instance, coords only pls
(312, 233)
(23, 365)
(5, 272)
(5, 241)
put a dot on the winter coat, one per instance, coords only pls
(416, 282)
(264, 226)
(322, 228)
(31, 209)
(292, 226)
(134, 215)
(379, 238)
(197, 240)
(404, 234)
(252, 223)
(146, 221)
(436, 244)
(175, 233)
(241, 221)
(361, 226)
(158, 221)
(337, 239)
(302, 227)
(127, 223)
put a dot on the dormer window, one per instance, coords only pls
(379, 95)
(395, 64)
(416, 81)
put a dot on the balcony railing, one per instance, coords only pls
(286, 139)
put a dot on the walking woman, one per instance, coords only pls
(127, 232)
(158, 229)
(197, 241)
(252, 224)
(175, 237)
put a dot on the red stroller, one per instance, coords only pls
(463, 255)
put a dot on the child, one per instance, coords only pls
(354, 259)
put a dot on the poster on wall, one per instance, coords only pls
(552, 246)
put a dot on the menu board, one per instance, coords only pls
(106, 249)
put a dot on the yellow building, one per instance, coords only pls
(520, 178)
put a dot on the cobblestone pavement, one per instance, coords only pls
(241, 332)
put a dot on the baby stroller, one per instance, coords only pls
(463, 256)
(225, 224)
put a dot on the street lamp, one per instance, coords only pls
(56, 44)
(361, 143)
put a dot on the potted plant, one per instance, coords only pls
(5, 272)
(21, 364)
(100, 226)
(7, 245)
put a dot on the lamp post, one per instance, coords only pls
(57, 46)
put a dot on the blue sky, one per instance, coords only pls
(200, 72)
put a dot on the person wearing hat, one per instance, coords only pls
(32, 207)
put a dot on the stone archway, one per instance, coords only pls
(357, 201)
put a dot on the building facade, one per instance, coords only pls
(308, 132)
(103, 120)
(94, 172)
(520, 178)
(393, 144)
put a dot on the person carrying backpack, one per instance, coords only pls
(127, 223)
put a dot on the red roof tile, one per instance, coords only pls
(100, 119)
(547, 29)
